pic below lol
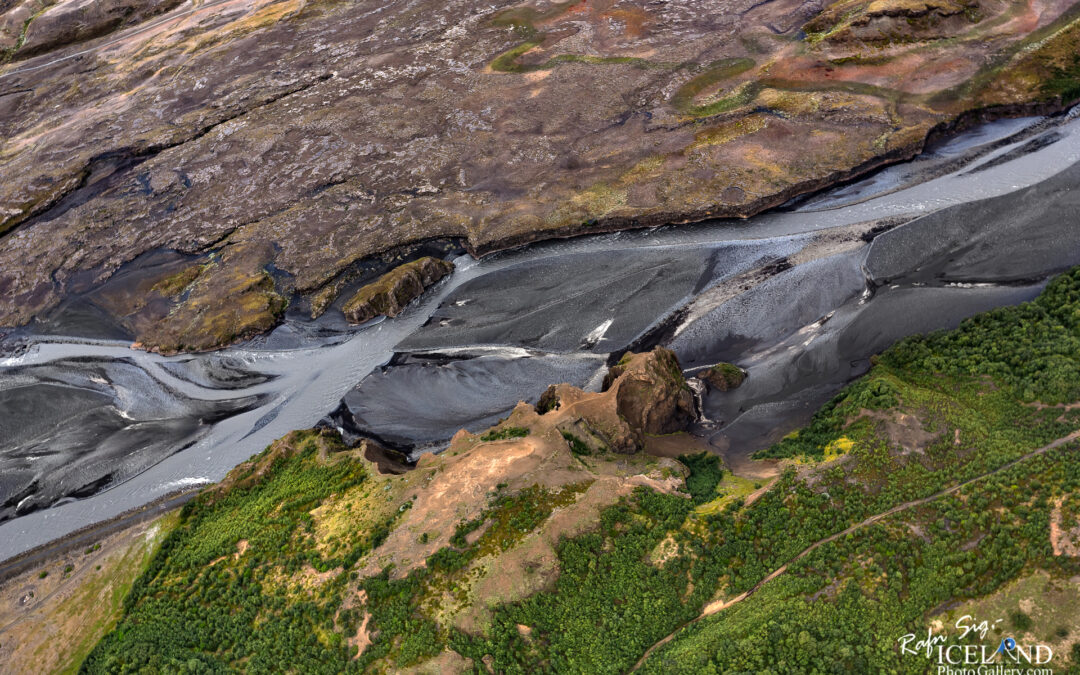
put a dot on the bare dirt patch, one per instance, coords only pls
(1063, 541)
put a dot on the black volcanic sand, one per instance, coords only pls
(555, 303)
(926, 275)
(73, 427)
(801, 334)
(791, 379)
(426, 398)
(1023, 235)
(216, 371)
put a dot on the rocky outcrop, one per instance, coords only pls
(650, 392)
(393, 291)
(577, 438)
(230, 298)
(901, 21)
(385, 460)
(48, 25)
(722, 376)
(643, 394)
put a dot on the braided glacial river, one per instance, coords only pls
(800, 298)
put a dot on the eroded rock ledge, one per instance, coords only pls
(392, 292)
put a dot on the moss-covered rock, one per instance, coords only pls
(229, 299)
(392, 292)
(722, 376)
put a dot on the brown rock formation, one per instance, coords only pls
(643, 394)
(230, 298)
(533, 448)
(392, 292)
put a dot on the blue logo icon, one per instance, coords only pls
(1007, 645)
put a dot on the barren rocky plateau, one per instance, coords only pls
(245, 155)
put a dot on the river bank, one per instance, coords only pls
(800, 298)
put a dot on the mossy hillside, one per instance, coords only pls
(174, 285)
(714, 75)
(849, 601)
(523, 22)
(216, 596)
(1038, 67)
(889, 21)
(230, 298)
(937, 413)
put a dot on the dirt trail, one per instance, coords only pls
(719, 605)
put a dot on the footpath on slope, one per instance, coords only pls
(720, 605)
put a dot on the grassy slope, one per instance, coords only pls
(932, 413)
(973, 392)
(79, 600)
(101, 599)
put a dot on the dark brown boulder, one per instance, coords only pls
(651, 393)
(644, 394)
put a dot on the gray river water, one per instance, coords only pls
(800, 298)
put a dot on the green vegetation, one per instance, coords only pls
(391, 292)
(505, 433)
(848, 602)
(8, 54)
(860, 607)
(1030, 353)
(963, 432)
(203, 606)
(406, 634)
(98, 601)
(877, 391)
(1064, 82)
(507, 61)
(175, 284)
(577, 446)
(706, 472)
(723, 376)
(715, 73)
(523, 19)
(1020, 621)
(607, 605)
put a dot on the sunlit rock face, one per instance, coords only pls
(283, 141)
